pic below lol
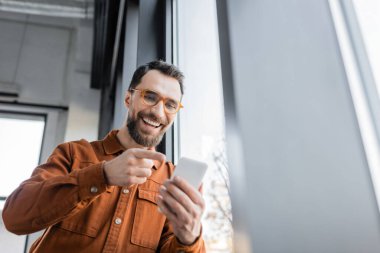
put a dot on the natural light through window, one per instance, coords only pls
(201, 123)
(21, 139)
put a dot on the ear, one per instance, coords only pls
(127, 99)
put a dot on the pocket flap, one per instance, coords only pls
(148, 195)
(90, 231)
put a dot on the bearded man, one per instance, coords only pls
(115, 194)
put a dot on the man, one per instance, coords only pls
(114, 195)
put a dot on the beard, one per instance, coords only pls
(143, 140)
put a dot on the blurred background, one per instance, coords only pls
(281, 100)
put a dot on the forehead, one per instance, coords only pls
(167, 86)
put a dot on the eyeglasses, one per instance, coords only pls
(152, 98)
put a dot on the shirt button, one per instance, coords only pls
(125, 191)
(118, 221)
(94, 189)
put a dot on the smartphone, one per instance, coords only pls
(191, 170)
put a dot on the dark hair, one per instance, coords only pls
(164, 67)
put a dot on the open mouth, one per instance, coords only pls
(151, 122)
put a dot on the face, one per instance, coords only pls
(147, 124)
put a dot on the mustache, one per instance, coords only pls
(153, 117)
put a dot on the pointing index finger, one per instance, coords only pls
(149, 154)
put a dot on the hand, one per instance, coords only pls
(183, 205)
(133, 166)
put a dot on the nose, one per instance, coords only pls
(159, 109)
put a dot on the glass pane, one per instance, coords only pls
(201, 122)
(21, 139)
(19, 135)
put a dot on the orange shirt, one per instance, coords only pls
(68, 197)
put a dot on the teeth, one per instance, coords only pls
(151, 122)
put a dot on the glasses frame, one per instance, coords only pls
(161, 98)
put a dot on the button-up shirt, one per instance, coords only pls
(68, 196)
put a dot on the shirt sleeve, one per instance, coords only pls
(54, 192)
(169, 242)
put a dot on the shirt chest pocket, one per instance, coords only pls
(148, 222)
(89, 218)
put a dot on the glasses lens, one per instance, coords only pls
(150, 97)
(171, 106)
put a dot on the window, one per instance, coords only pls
(20, 135)
(201, 122)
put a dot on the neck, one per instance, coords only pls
(126, 140)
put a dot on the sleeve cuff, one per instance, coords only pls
(194, 247)
(91, 181)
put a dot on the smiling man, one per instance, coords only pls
(115, 194)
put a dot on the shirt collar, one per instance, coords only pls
(111, 145)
